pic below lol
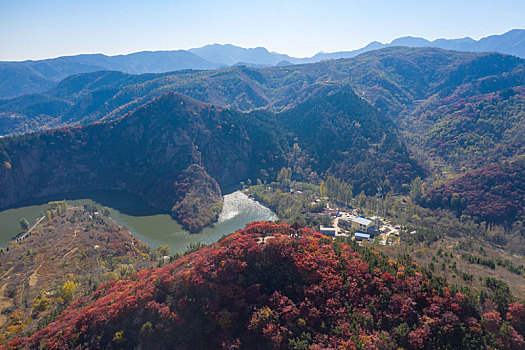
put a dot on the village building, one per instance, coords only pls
(329, 211)
(360, 236)
(328, 230)
(362, 224)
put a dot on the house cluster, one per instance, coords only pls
(359, 227)
(346, 224)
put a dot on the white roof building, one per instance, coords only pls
(362, 221)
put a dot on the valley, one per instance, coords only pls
(176, 153)
(236, 206)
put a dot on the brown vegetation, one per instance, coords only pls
(63, 258)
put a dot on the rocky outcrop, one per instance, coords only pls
(200, 200)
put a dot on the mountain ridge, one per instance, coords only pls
(33, 76)
(390, 78)
(510, 43)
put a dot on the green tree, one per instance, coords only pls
(193, 247)
(416, 190)
(338, 190)
(24, 224)
(361, 200)
(111, 262)
(146, 330)
(284, 174)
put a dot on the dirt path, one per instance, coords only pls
(74, 237)
(7, 272)
(21, 238)
(4, 304)
(69, 253)
(33, 279)
(22, 294)
(69, 246)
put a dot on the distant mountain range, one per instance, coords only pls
(231, 55)
(27, 77)
(510, 43)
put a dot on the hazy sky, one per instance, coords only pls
(34, 29)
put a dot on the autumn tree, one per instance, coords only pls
(163, 250)
(68, 290)
(40, 304)
(60, 211)
(146, 330)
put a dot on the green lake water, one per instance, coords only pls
(146, 223)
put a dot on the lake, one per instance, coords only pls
(150, 225)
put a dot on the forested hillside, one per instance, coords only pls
(495, 194)
(67, 254)
(270, 286)
(393, 79)
(30, 77)
(164, 152)
(177, 153)
(470, 132)
(345, 135)
(426, 91)
(239, 198)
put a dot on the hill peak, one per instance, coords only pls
(171, 102)
(409, 41)
(267, 286)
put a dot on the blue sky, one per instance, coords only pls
(35, 29)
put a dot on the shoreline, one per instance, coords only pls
(156, 227)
